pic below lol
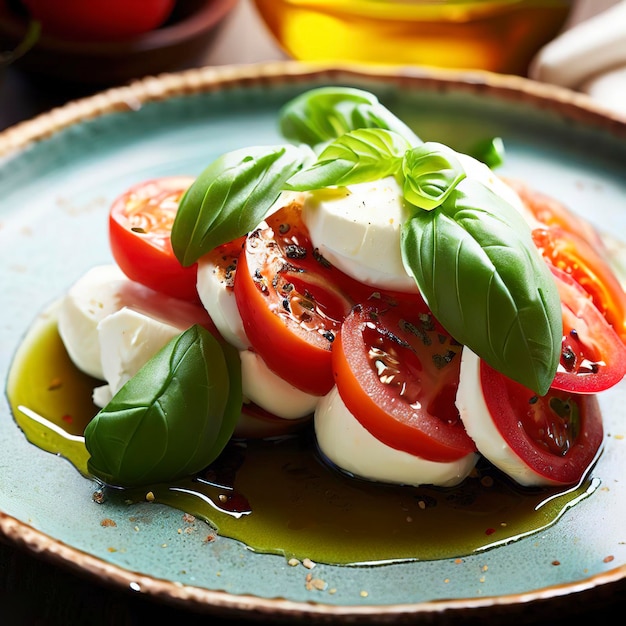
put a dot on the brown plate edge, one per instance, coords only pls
(538, 604)
(575, 106)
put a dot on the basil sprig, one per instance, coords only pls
(428, 172)
(358, 156)
(483, 279)
(237, 190)
(173, 418)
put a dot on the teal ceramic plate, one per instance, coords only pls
(58, 175)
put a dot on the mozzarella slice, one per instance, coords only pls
(128, 340)
(90, 299)
(102, 291)
(215, 288)
(347, 444)
(272, 393)
(479, 425)
(357, 229)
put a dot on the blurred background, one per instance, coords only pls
(52, 51)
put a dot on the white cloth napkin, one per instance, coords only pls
(590, 57)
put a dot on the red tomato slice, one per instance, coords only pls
(140, 223)
(397, 372)
(575, 256)
(557, 435)
(593, 358)
(553, 213)
(291, 301)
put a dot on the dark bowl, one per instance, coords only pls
(180, 43)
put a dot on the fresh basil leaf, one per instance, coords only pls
(490, 151)
(359, 156)
(481, 275)
(231, 196)
(321, 115)
(431, 172)
(171, 419)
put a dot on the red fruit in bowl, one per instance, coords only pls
(99, 20)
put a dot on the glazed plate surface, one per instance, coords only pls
(58, 175)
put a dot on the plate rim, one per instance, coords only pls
(576, 106)
(573, 106)
(212, 601)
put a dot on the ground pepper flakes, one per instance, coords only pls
(608, 559)
(107, 523)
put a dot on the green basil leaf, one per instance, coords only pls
(231, 196)
(171, 419)
(321, 115)
(359, 156)
(431, 172)
(480, 273)
(490, 151)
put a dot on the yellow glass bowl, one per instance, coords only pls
(496, 35)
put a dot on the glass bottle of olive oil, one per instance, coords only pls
(496, 35)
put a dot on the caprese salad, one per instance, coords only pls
(398, 297)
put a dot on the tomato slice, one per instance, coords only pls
(593, 357)
(557, 435)
(574, 255)
(140, 223)
(291, 301)
(397, 372)
(554, 214)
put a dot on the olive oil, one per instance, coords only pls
(496, 35)
(279, 496)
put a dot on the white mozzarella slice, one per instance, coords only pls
(476, 418)
(347, 444)
(128, 340)
(90, 299)
(102, 291)
(272, 393)
(357, 229)
(215, 288)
